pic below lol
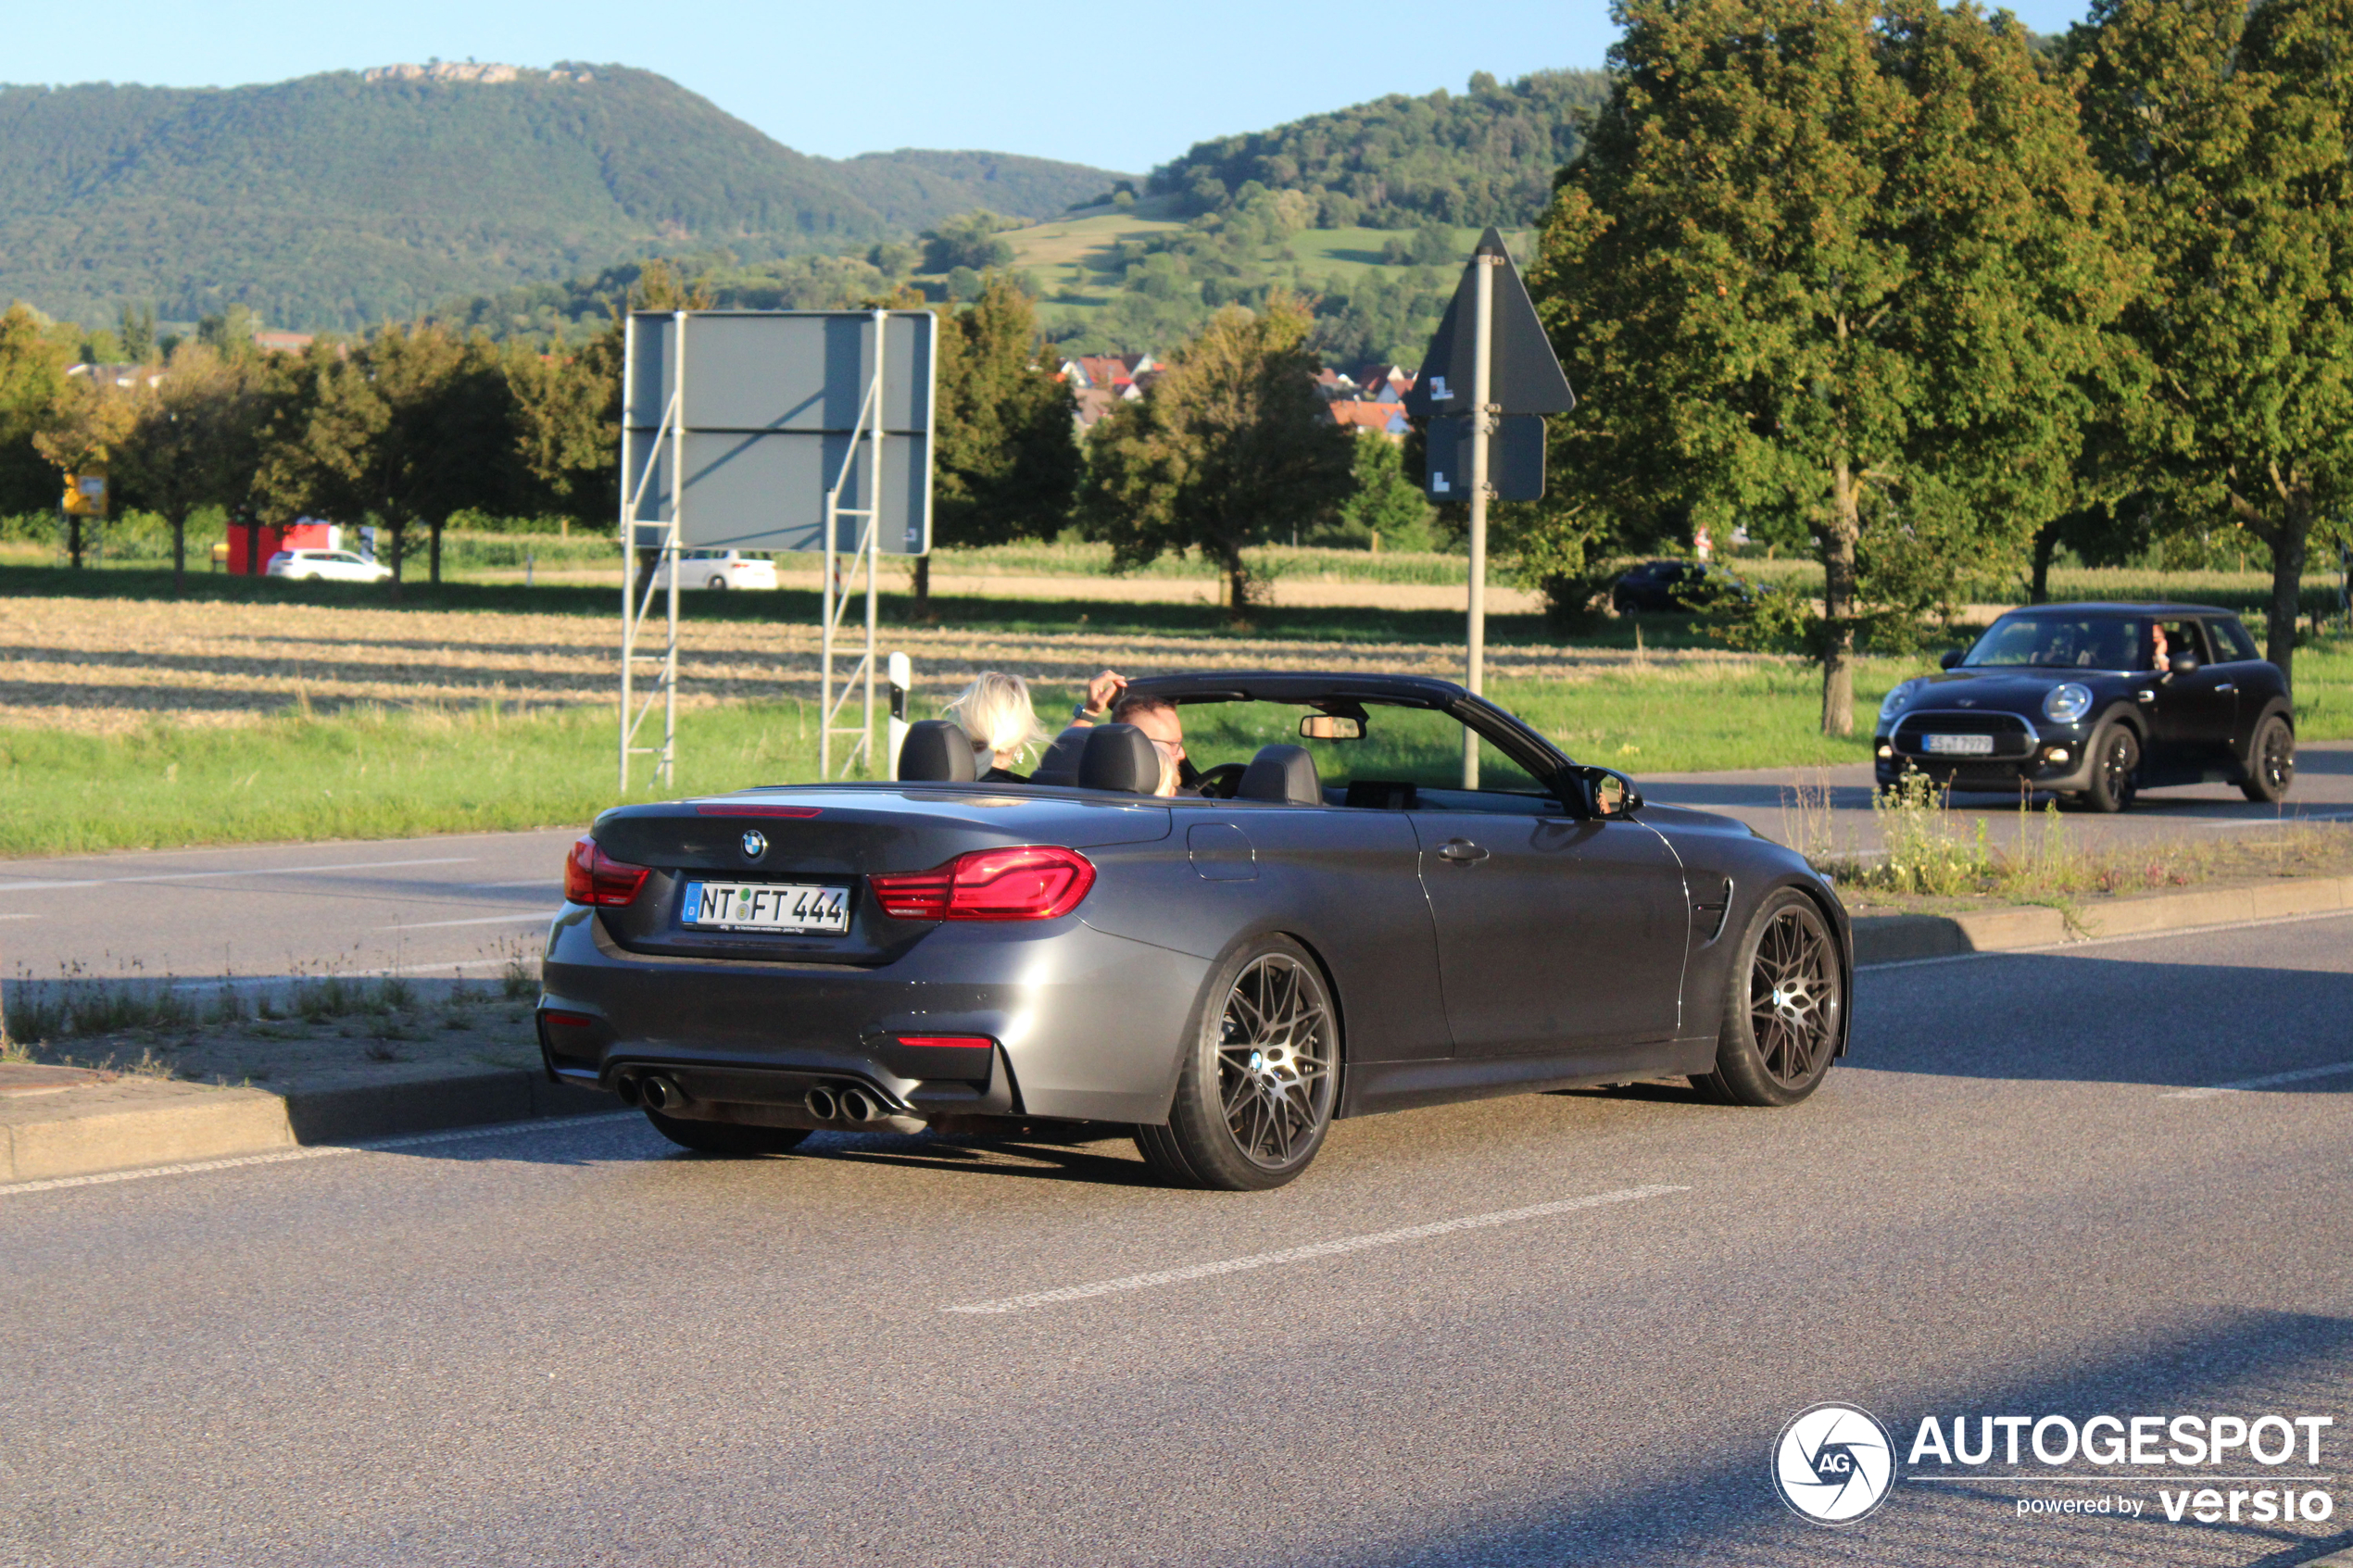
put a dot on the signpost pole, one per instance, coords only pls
(873, 540)
(1482, 426)
(825, 639)
(628, 549)
(666, 773)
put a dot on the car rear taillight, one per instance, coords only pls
(946, 1042)
(1035, 881)
(591, 876)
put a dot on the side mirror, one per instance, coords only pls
(1607, 793)
(1951, 657)
(2184, 664)
(1331, 726)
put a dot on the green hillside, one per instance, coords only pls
(1484, 155)
(336, 200)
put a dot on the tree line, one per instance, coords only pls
(414, 424)
(1907, 287)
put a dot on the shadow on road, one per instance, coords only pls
(2234, 1361)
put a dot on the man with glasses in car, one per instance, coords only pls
(1106, 703)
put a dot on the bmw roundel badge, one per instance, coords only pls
(755, 844)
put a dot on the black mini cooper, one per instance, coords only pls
(2095, 702)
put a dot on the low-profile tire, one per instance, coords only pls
(1256, 1094)
(2116, 762)
(727, 1137)
(2271, 762)
(1784, 1006)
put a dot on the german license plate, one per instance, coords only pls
(1959, 746)
(767, 906)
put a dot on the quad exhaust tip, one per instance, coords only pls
(857, 1104)
(821, 1105)
(660, 1094)
(849, 1104)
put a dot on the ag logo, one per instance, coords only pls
(1835, 1463)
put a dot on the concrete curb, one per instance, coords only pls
(136, 1122)
(1897, 938)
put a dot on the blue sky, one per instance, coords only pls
(1110, 82)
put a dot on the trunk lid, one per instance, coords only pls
(833, 837)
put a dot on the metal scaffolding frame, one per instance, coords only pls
(866, 557)
(634, 608)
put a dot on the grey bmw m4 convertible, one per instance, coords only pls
(1323, 924)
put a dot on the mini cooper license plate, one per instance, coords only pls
(767, 906)
(1959, 746)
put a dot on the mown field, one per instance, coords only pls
(250, 712)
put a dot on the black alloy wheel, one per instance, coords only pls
(2115, 759)
(2271, 761)
(734, 1138)
(1785, 1006)
(1255, 1097)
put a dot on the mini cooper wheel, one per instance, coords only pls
(2115, 759)
(2270, 761)
(726, 1137)
(1255, 1098)
(1783, 1007)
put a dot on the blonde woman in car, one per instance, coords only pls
(995, 711)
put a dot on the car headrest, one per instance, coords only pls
(1283, 773)
(1059, 765)
(936, 751)
(1120, 757)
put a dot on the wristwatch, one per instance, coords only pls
(1082, 714)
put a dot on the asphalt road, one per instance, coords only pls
(468, 902)
(572, 1345)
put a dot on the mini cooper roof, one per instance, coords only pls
(2111, 606)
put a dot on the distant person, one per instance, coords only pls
(2160, 655)
(995, 711)
(1107, 702)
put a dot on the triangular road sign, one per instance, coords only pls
(1523, 374)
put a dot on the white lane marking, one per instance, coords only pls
(2104, 941)
(2210, 1091)
(20, 917)
(1302, 1254)
(528, 881)
(320, 1151)
(242, 871)
(485, 920)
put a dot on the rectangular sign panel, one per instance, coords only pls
(773, 399)
(1514, 459)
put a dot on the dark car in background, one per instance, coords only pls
(2094, 703)
(1661, 586)
(1332, 927)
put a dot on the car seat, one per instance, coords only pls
(936, 751)
(1059, 765)
(1285, 774)
(1120, 757)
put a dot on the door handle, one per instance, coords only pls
(1462, 851)
(2227, 686)
(2145, 695)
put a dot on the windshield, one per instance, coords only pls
(2080, 642)
(1398, 747)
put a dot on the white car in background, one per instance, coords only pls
(719, 568)
(325, 566)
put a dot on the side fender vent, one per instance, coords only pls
(1711, 905)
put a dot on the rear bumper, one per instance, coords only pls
(1087, 1026)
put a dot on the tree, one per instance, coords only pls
(2230, 127)
(1005, 461)
(968, 241)
(32, 385)
(195, 442)
(88, 420)
(567, 414)
(1844, 262)
(1231, 444)
(1384, 503)
(410, 428)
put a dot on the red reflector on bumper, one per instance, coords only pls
(569, 1020)
(975, 1042)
